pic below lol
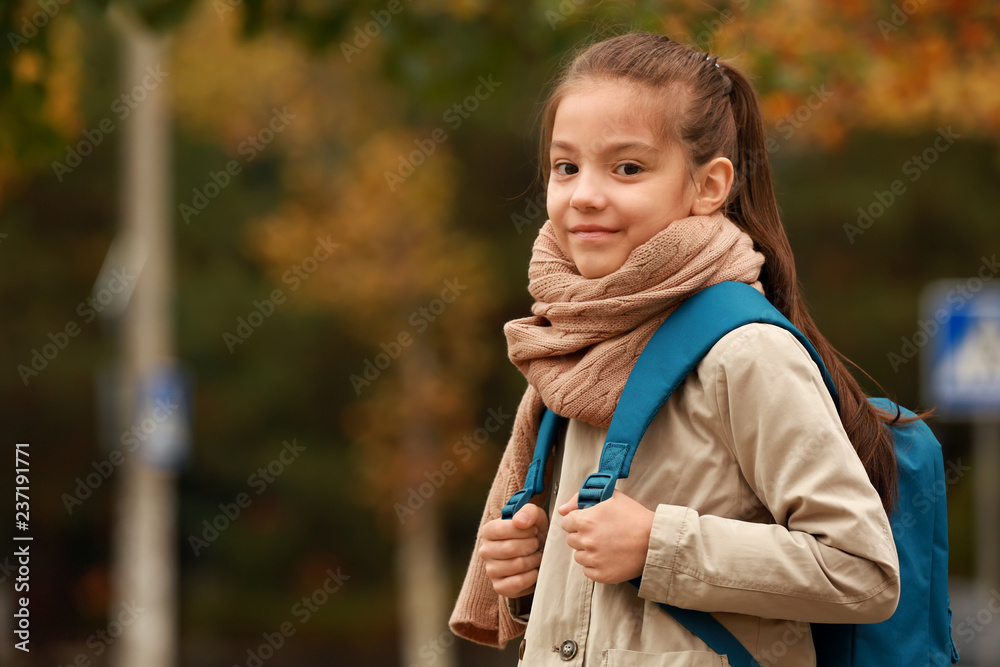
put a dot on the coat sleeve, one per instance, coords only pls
(829, 556)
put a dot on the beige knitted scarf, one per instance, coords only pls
(577, 351)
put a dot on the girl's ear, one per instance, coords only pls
(713, 182)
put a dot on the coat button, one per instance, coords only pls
(520, 651)
(567, 651)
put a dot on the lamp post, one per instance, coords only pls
(144, 540)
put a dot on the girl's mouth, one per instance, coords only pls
(591, 233)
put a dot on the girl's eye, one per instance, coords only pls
(628, 169)
(566, 169)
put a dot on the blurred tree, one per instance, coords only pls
(379, 254)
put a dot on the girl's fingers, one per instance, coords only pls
(516, 586)
(531, 515)
(573, 541)
(526, 523)
(503, 569)
(512, 550)
(500, 529)
(507, 549)
(569, 505)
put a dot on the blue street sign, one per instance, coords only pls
(161, 424)
(959, 333)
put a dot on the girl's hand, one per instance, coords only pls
(512, 550)
(610, 539)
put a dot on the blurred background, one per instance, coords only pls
(257, 256)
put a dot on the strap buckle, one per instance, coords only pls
(516, 502)
(597, 488)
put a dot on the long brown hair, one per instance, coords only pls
(710, 108)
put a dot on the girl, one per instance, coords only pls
(750, 497)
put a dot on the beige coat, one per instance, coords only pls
(764, 516)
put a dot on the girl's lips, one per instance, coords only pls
(592, 234)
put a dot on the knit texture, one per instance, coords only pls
(577, 351)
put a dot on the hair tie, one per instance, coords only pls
(729, 82)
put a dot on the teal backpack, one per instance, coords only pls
(919, 632)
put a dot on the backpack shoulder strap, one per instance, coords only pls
(534, 482)
(676, 348)
(705, 627)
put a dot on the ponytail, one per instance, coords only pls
(753, 207)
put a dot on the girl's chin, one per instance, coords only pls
(592, 270)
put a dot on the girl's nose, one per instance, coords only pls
(588, 193)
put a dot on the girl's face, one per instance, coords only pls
(613, 185)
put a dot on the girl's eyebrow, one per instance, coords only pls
(608, 149)
(630, 147)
